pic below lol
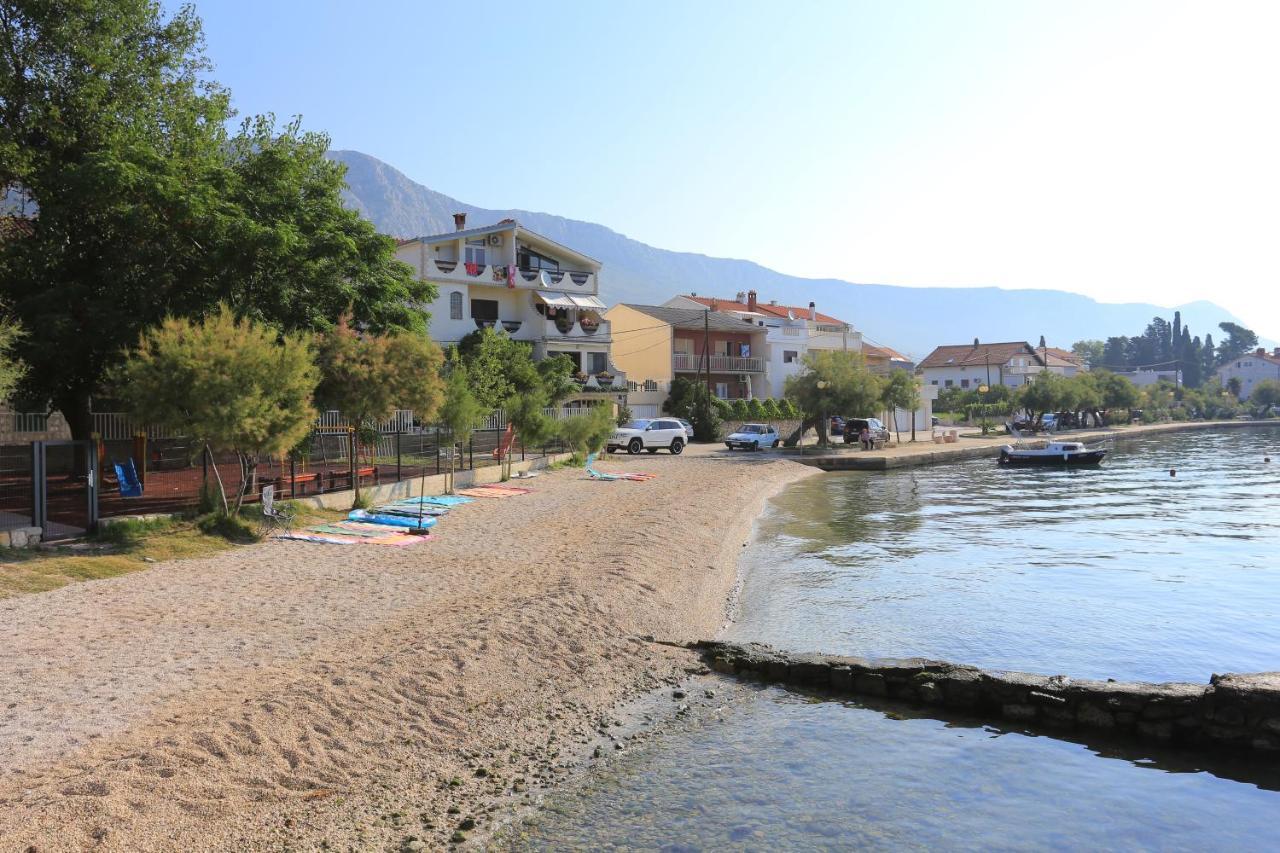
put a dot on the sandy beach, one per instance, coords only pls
(294, 695)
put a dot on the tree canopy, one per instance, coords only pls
(834, 383)
(148, 208)
(232, 385)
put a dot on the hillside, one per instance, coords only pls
(910, 319)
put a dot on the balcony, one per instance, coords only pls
(499, 275)
(683, 362)
(580, 329)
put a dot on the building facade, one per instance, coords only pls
(1011, 363)
(506, 276)
(1250, 370)
(655, 344)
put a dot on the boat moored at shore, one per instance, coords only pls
(1054, 453)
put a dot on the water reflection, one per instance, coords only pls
(1120, 572)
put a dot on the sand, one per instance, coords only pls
(295, 695)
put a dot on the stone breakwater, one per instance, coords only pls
(1232, 711)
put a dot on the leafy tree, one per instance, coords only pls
(1091, 352)
(788, 408)
(460, 411)
(1115, 354)
(741, 412)
(368, 376)
(588, 432)
(232, 385)
(1048, 392)
(555, 372)
(832, 382)
(1265, 395)
(1209, 357)
(770, 409)
(1190, 360)
(148, 209)
(11, 370)
(681, 400)
(901, 391)
(755, 410)
(1116, 392)
(1239, 341)
(1233, 385)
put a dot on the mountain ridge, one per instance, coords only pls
(910, 319)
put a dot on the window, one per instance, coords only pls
(475, 253)
(933, 382)
(722, 390)
(949, 383)
(455, 306)
(599, 362)
(484, 309)
(964, 383)
(790, 356)
(528, 259)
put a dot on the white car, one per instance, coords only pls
(650, 435)
(753, 437)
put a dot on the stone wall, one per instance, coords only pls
(1234, 711)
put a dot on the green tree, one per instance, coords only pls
(741, 412)
(1233, 385)
(460, 411)
(1238, 342)
(1091, 352)
(833, 382)
(1048, 392)
(755, 409)
(11, 369)
(1265, 395)
(231, 385)
(588, 432)
(901, 391)
(498, 366)
(771, 410)
(149, 209)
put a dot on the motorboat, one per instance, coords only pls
(1054, 453)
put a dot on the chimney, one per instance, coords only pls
(813, 312)
(751, 300)
(975, 343)
(459, 221)
(1262, 350)
(715, 305)
(741, 297)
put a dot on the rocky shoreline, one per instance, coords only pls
(1231, 712)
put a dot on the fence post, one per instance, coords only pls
(140, 456)
(204, 468)
(471, 451)
(351, 461)
(293, 474)
(398, 477)
(521, 449)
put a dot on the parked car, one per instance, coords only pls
(837, 425)
(753, 437)
(853, 429)
(688, 428)
(651, 435)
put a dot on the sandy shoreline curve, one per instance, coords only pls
(303, 696)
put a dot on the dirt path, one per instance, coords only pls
(293, 694)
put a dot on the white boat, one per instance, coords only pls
(1054, 453)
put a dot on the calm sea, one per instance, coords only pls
(1121, 572)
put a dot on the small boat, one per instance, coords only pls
(1054, 453)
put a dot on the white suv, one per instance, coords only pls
(654, 435)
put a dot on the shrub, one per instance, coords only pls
(740, 410)
(771, 409)
(587, 433)
(755, 411)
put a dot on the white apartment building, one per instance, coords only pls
(507, 276)
(790, 332)
(1250, 370)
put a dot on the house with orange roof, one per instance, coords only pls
(791, 331)
(1010, 363)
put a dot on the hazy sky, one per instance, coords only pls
(1129, 151)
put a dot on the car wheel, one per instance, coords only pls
(635, 446)
(677, 447)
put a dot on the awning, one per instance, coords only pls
(587, 302)
(559, 300)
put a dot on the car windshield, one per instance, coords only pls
(753, 428)
(641, 424)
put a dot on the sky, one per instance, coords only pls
(1129, 151)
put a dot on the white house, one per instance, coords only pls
(1250, 370)
(1010, 363)
(790, 332)
(506, 275)
(1143, 378)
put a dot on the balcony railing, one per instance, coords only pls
(576, 329)
(688, 362)
(570, 281)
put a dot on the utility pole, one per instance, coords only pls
(706, 353)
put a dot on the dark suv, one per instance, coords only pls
(853, 430)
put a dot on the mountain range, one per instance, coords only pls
(912, 320)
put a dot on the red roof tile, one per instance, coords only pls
(763, 308)
(968, 355)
